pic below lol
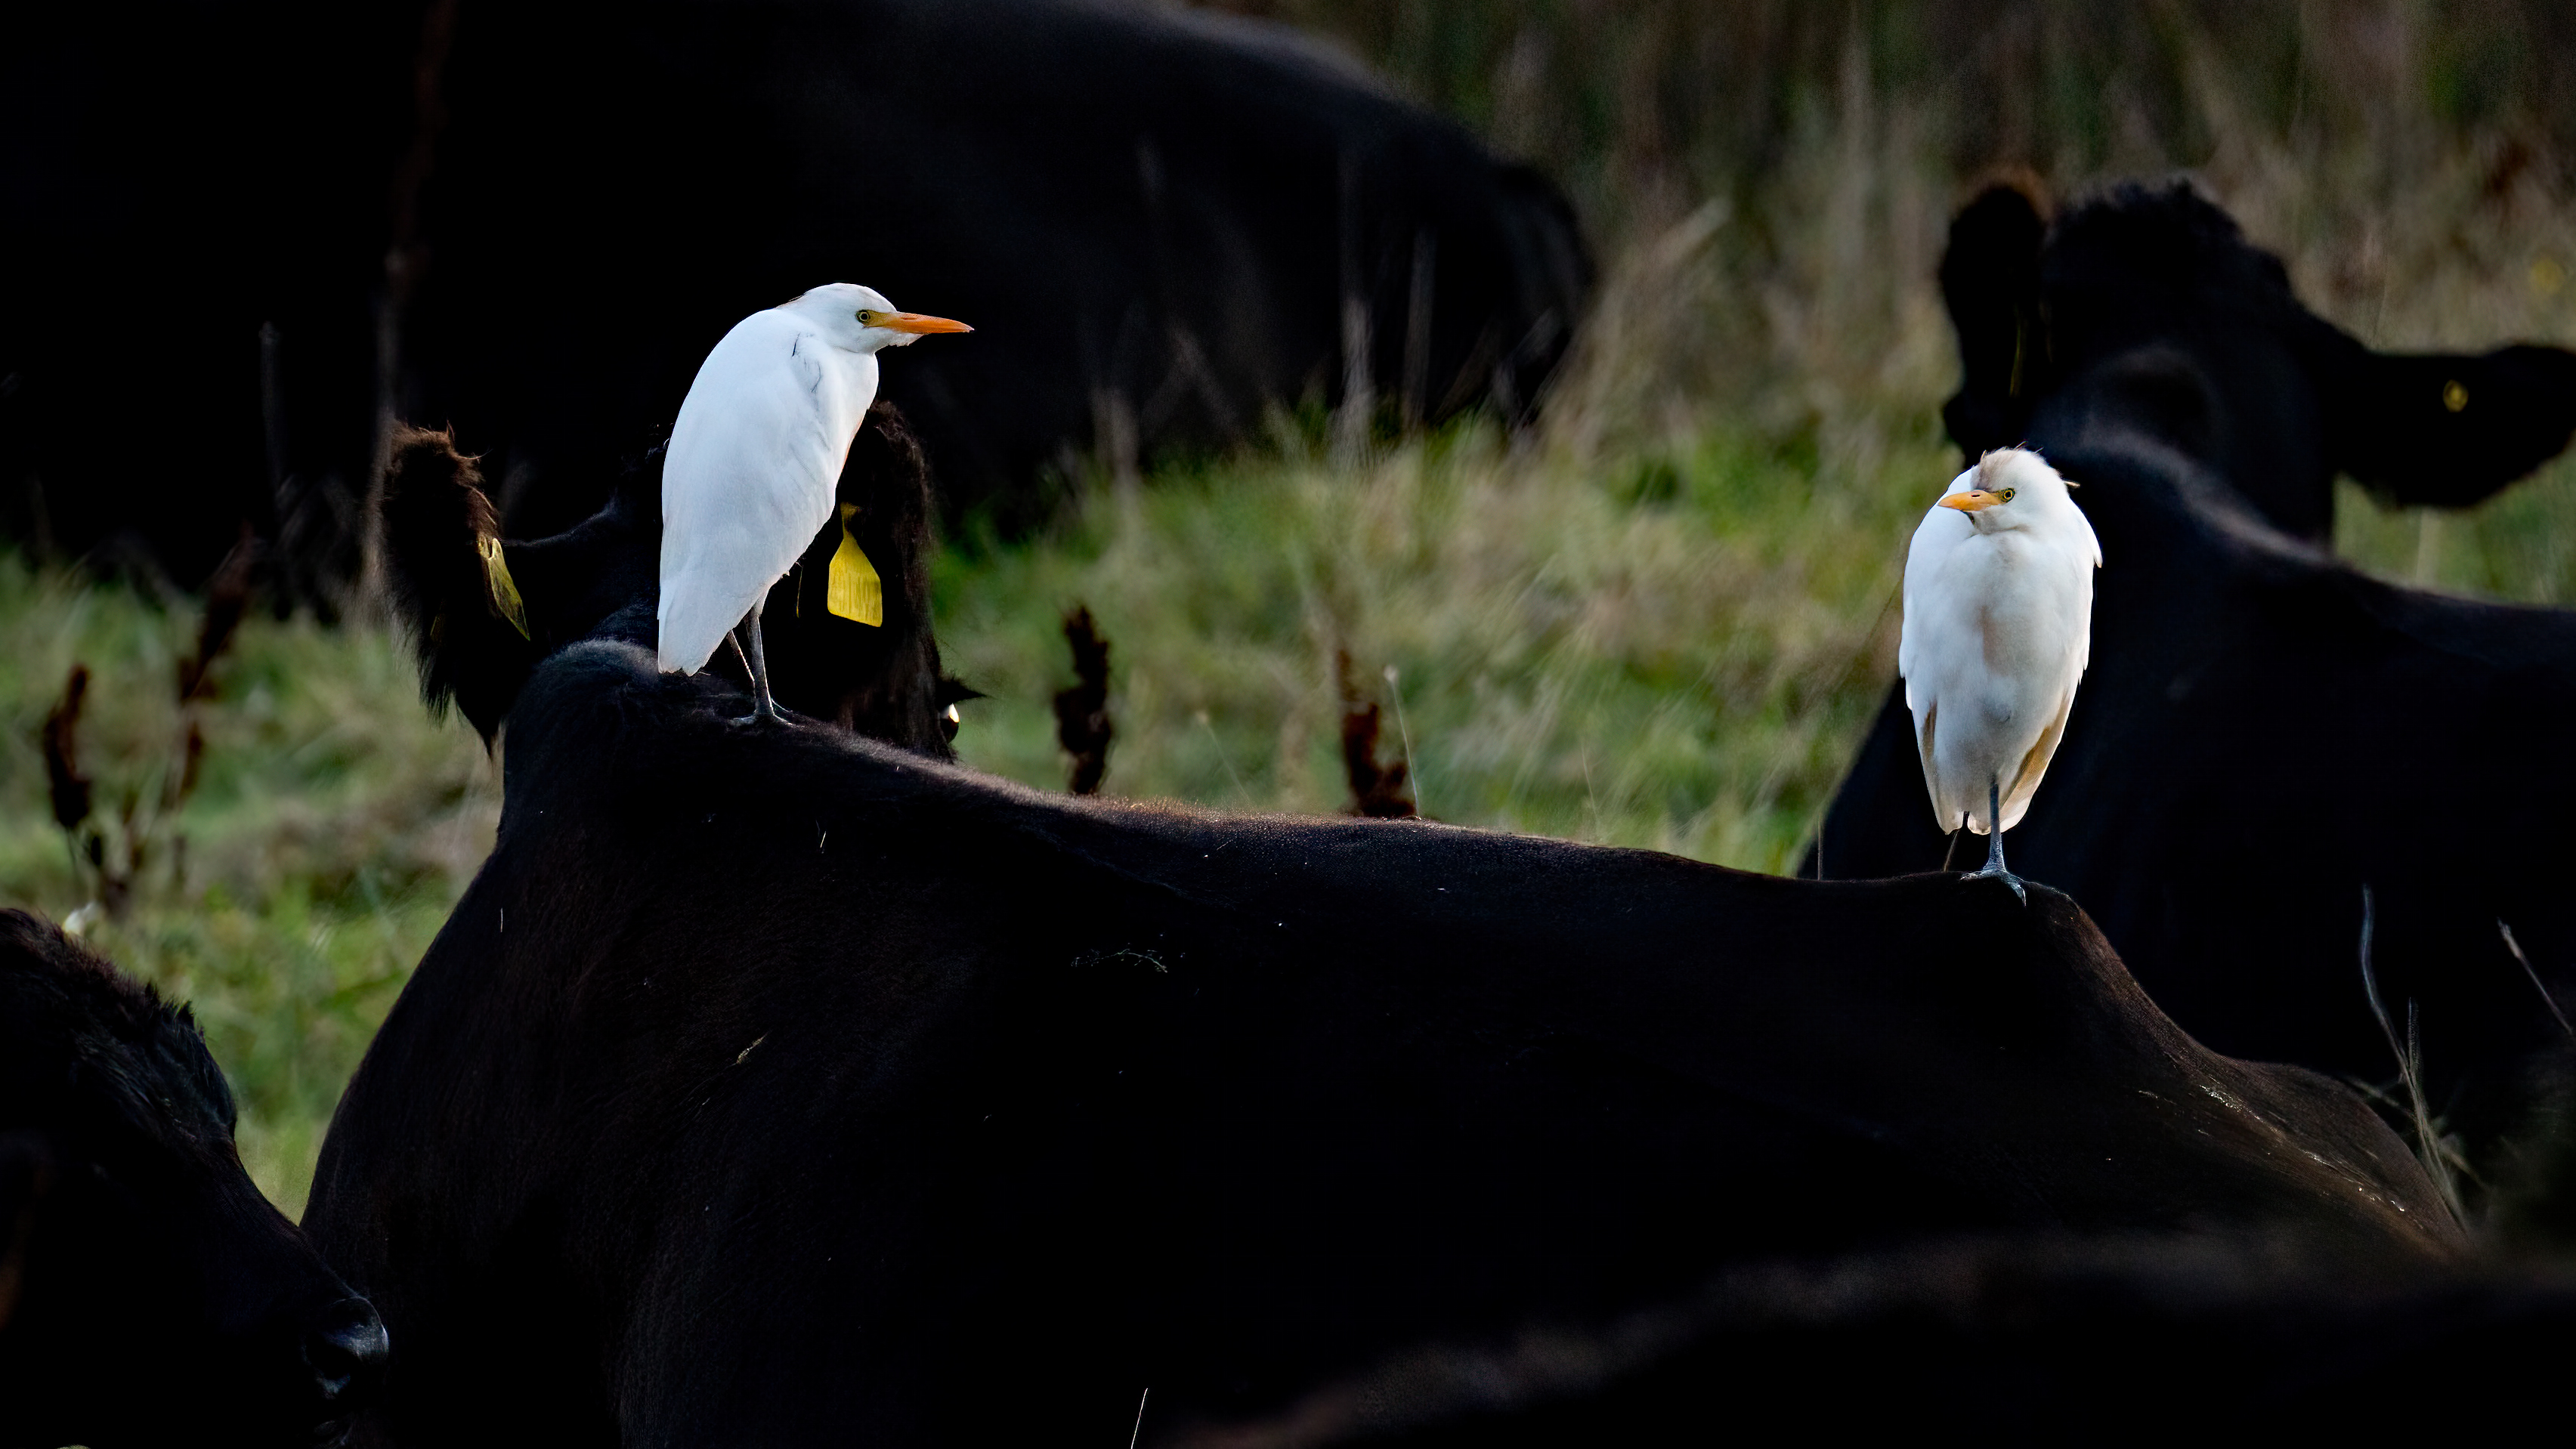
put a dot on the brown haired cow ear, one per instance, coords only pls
(451, 579)
(2444, 430)
(1990, 282)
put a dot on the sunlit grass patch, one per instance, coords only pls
(1675, 650)
(332, 826)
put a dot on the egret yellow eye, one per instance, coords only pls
(2006, 496)
(867, 318)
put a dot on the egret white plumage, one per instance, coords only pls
(755, 456)
(1998, 628)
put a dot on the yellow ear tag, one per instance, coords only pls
(504, 589)
(853, 590)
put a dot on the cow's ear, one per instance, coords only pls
(451, 580)
(2444, 431)
(1990, 281)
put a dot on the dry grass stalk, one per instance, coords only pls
(2433, 1148)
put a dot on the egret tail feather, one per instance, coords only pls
(691, 633)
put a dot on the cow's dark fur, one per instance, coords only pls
(767, 1087)
(148, 1294)
(2039, 1341)
(1153, 218)
(602, 579)
(2263, 731)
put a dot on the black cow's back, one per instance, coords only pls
(801, 1083)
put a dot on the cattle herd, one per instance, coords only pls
(533, 225)
(800, 1085)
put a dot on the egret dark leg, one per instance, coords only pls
(746, 637)
(1995, 842)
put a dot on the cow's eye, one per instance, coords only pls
(2454, 396)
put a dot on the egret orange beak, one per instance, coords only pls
(1970, 501)
(915, 322)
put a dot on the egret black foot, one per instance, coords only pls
(764, 707)
(1995, 842)
(1995, 872)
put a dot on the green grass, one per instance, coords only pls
(1674, 648)
(2518, 546)
(1663, 621)
(333, 827)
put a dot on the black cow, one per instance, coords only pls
(148, 1294)
(2265, 732)
(2218, 358)
(770, 1087)
(602, 579)
(1159, 223)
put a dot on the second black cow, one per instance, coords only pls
(2272, 751)
(148, 1294)
(533, 220)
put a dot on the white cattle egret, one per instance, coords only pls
(755, 457)
(1998, 626)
